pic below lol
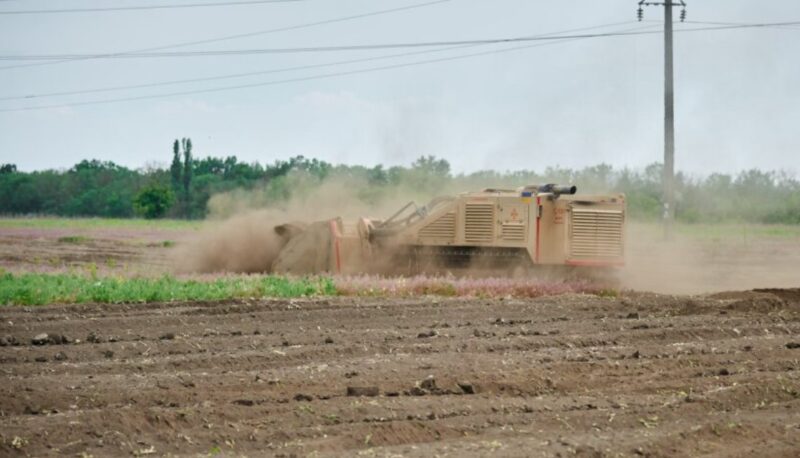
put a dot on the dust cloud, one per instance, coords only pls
(239, 234)
(705, 259)
(244, 243)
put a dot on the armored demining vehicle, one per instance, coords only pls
(493, 230)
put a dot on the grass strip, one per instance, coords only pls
(80, 288)
(41, 289)
(98, 223)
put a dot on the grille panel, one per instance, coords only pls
(513, 232)
(596, 234)
(479, 223)
(443, 228)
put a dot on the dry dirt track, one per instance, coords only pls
(640, 375)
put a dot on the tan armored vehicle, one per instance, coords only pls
(490, 230)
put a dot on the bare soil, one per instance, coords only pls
(637, 375)
(132, 252)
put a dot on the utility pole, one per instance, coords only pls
(668, 198)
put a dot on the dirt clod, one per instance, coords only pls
(49, 339)
(167, 336)
(94, 338)
(416, 391)
(466, 388)
(300, 397)
(369, 391)
(9, 341)
(32, 410)
(793, 345)
(429, 384)
(40, 339)
(426, 334)
(60, 356)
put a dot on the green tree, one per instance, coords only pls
(8, 168)
(153, 201)
(431, 165)
(176, 168)
(187, 175)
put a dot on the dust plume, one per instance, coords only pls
(244, 243)
(240, 235)
(708, 258)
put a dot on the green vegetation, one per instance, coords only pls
(39, 289)
(96, 188)
(153, 201)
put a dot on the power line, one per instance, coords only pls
(792, 26)
(146, 7)
(560, 39)
(272, 71)
(292, 80)
(369, 47)
(246, 34)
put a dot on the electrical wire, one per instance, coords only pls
(369, 47)
(293, 80)
(560, 39)
(245, 34)
(278, 70)
(145, 7)
(792, 26)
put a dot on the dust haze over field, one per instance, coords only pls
(696, 263)
(239, 236)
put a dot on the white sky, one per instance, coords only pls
(571, 104)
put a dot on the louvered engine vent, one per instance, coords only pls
(513, 232)
(479, 222)
(596, 234)
(444, 228)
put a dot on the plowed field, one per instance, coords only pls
(571, 375)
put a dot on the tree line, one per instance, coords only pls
(105, 189)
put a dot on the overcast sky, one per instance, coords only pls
(572, 104)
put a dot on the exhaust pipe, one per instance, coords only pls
(557, 189)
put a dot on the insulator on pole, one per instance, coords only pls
(640, 14)
(683, 14)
